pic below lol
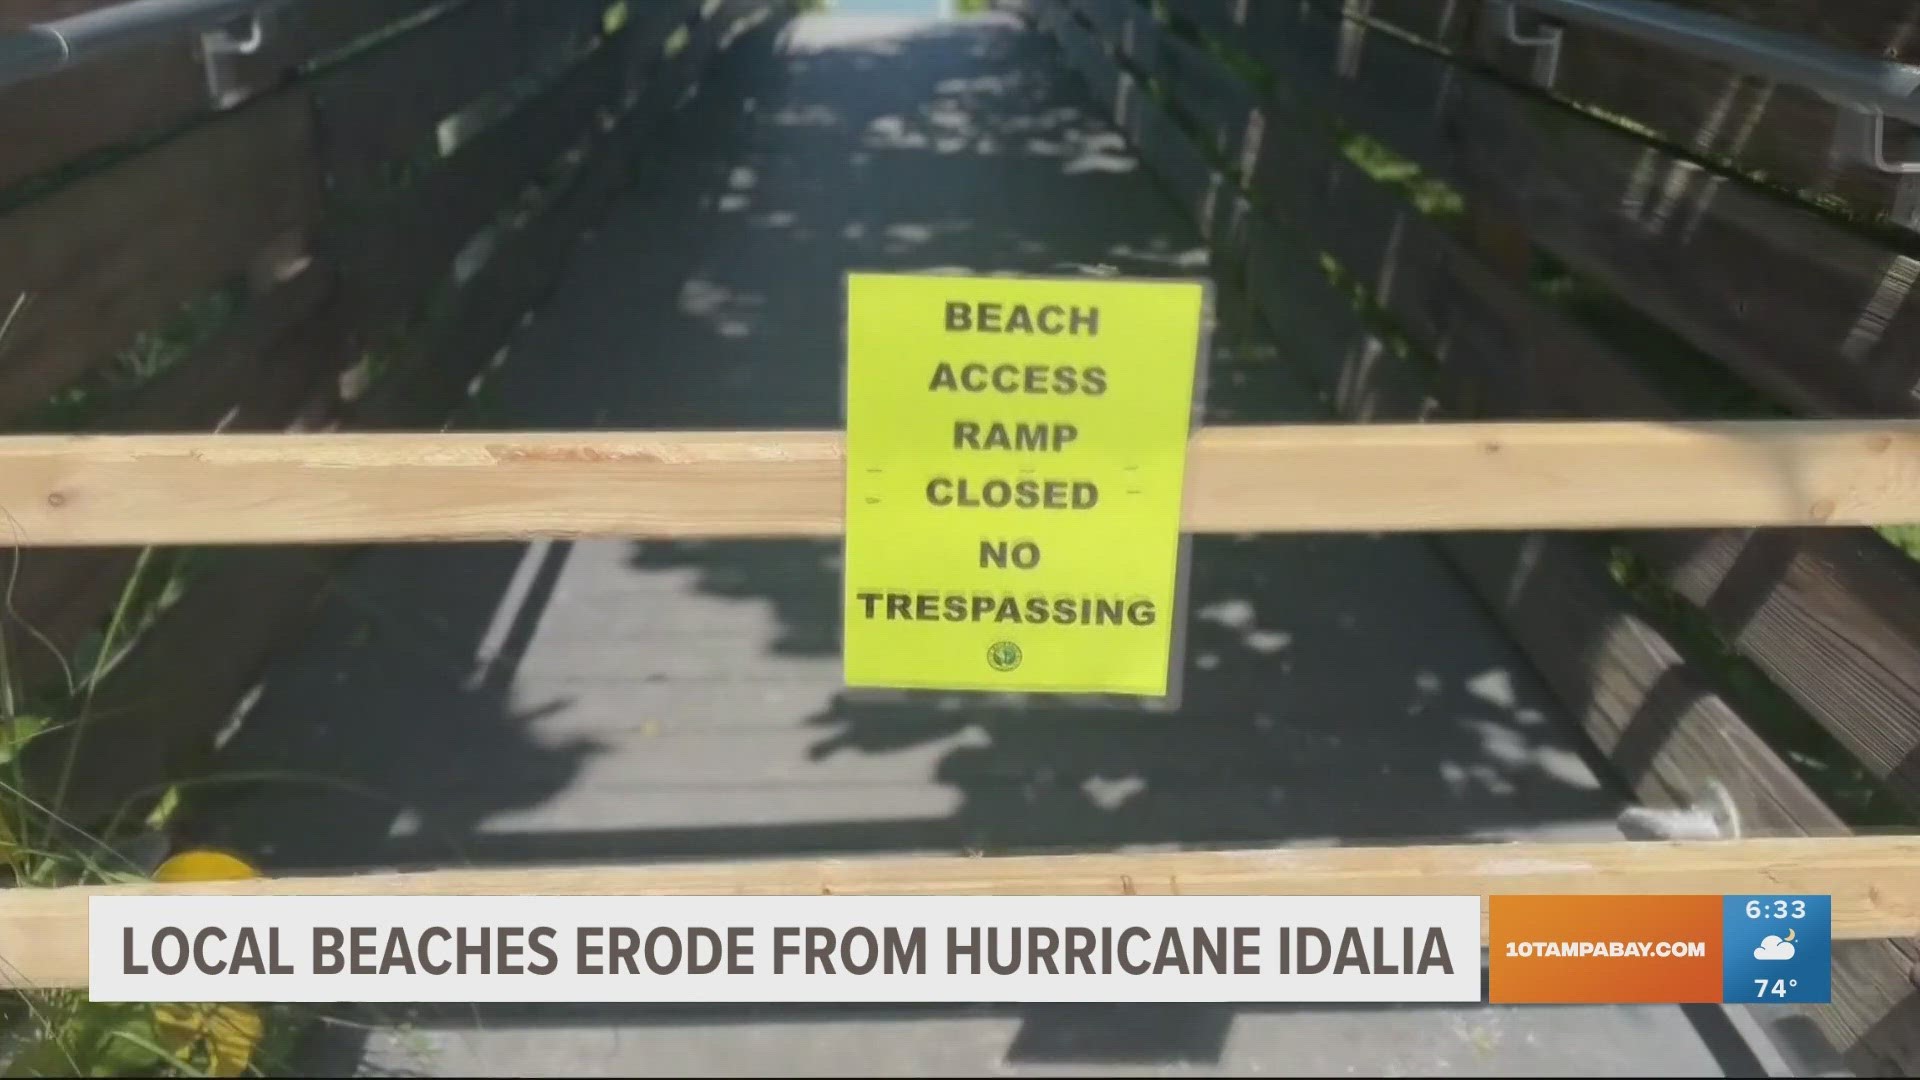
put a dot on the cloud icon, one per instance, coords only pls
(1773, 948)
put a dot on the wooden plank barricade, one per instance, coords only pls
(363, 487)
(296, 488)
(1874, 882)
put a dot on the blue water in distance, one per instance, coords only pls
(929, 8)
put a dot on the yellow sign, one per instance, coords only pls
(1016, 450)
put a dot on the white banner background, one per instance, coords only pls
(296, 917)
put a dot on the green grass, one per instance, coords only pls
(42, 732)
(1904, 537)
(61, 1032)
(152, 354)
(1433, 197)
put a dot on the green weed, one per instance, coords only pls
(59, 1032)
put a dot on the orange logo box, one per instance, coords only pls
(1604, 949)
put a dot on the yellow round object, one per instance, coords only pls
(191, 866)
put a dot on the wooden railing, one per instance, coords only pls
(309, 252)
(1582, 254)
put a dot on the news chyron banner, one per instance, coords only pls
(755, 949)
(1016, 454)
(1755, 950)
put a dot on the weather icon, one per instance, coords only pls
(1775, 947)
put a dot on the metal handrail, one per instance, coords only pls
(1865, 89)
(44, 48)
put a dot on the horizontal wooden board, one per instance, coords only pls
(1832, 618)
(1874, 882)
(1173, 160)
(381, 111)
(391, 255)
(1211, 97)
(529, 259)
(1447, 23)
(119, 252)
(325, 27)
(167, 489)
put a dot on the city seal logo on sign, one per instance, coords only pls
(1004, 656)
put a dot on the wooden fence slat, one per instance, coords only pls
(528, 260)
(1874, 882)
(1813, 315)
(382, 110)
(327, 26)
(118, 252)
(392, 255)
(1219, 102)
(247, 489)
(1448, 23)
(1832, 618)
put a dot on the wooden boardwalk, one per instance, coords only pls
(501, 704)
